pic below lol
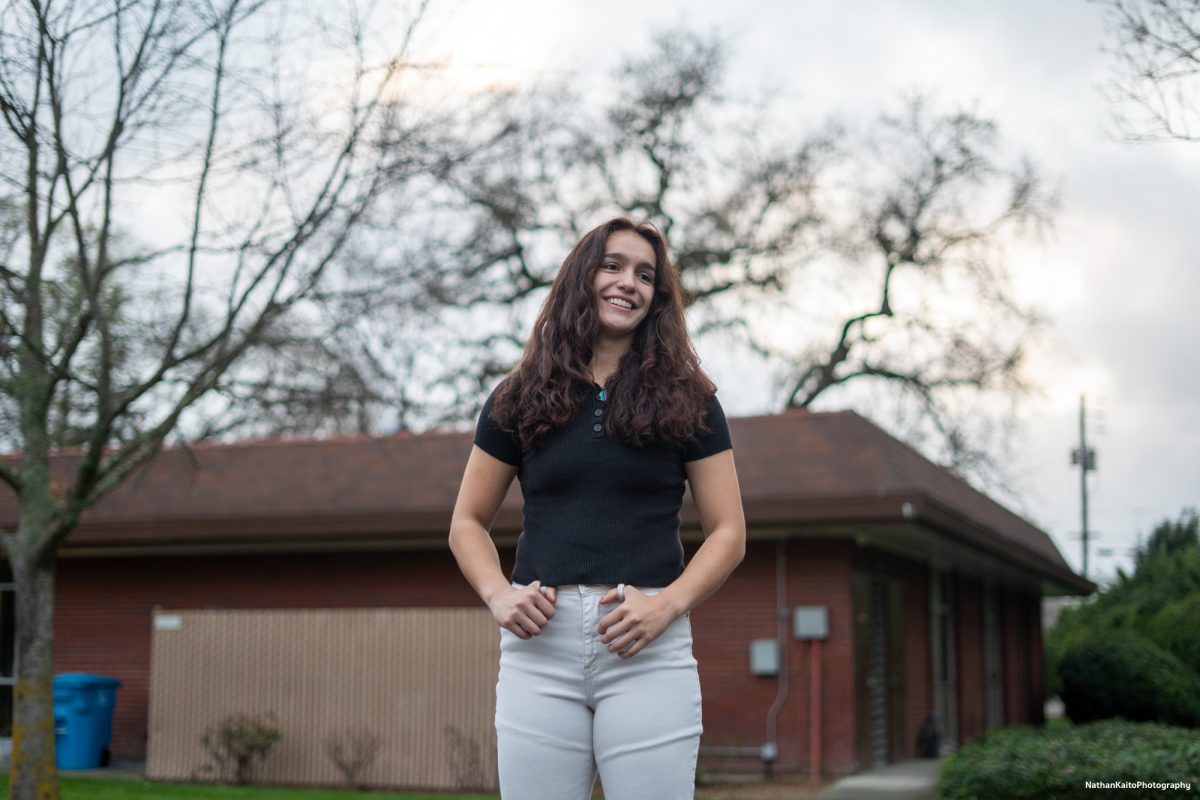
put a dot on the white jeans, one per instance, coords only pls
(566, 706)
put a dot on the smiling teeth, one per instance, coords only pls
(616, 301)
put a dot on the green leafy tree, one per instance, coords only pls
(1174, 628)
(1154, 602)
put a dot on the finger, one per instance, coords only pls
(544, 605)
(616, 631)
(608, 597)
(622, 642)
(540, 602)
(531, 627)
(515, 629)
(633, 650)
(537, 617)
(609, 620)
(552, 594)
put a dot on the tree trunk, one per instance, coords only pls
(33, 774)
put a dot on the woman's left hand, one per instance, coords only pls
(635, 623)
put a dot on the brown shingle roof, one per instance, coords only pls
(796, 469)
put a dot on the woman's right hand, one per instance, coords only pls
(525, 611)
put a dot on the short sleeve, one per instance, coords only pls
(497, 443)
(716, 439)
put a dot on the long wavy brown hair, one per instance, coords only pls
(658, 394)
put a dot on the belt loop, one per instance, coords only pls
(542, 590)
(621, 592)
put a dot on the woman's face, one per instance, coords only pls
(624, 283)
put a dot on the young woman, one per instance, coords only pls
(603, 420)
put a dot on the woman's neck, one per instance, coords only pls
(606, 357)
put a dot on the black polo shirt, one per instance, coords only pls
(598, 510)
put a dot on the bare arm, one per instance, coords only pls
(485, 482)
(718, 498)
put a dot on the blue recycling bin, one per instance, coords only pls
(83, 712)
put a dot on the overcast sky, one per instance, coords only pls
(1120, 274)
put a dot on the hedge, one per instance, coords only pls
(1118, 674)
(1024, 763)
(1176, 627)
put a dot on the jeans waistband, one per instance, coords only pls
(595, 588)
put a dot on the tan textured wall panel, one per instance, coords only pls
(422, 680)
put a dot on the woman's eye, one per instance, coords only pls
(647, 277)
(610, 266)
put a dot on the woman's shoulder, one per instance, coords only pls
(492, 436)
(503, 387)
(713, 436)
(714, 404)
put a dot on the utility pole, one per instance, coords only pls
(1085, 457)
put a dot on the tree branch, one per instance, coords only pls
(12, 477)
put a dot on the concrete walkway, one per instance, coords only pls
(907, 780)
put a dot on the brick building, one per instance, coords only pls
(931, 591)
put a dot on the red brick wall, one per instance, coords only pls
(736, 703)
(823, 574)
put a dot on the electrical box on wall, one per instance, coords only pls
(764, 657)
(810, 622)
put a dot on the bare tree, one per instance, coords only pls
(242, 142)
(546, 164)
(874, 262)
(1157, 47)
(840, 260)
(929, 220)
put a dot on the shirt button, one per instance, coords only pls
(597, 427)
(599, 412)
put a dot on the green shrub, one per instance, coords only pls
(1056, 764)
(1167, 571)
(1117, 674)
(1176, 627)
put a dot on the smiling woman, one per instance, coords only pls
(643, 358)
(604, 420)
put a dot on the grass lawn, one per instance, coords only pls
(115, 788)
(110, 789)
